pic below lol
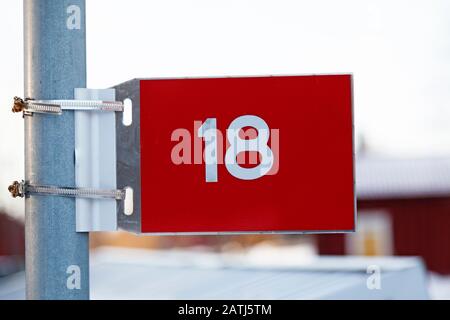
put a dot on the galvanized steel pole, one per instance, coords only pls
(57, 257)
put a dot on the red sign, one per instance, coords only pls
(249, 154)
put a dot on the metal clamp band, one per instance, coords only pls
(28, 106)
(22, 189)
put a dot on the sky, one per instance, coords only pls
(398, 52)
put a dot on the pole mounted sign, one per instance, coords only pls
(210, 156)
(236, 155)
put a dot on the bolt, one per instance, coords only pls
(15, 189)
(19, 105)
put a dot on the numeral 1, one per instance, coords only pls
(208, 132)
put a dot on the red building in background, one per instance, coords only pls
(12, 244)
(403, 209)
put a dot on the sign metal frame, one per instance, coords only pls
(128, 159)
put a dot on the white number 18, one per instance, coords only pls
(237, 145)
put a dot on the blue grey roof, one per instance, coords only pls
(144, 274)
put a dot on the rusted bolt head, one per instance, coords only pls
(19, 105)
(14, 189)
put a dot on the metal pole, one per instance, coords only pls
(57, 257)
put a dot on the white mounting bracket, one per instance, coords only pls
(95, 162)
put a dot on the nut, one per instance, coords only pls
(16, 189)
(19, 105)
